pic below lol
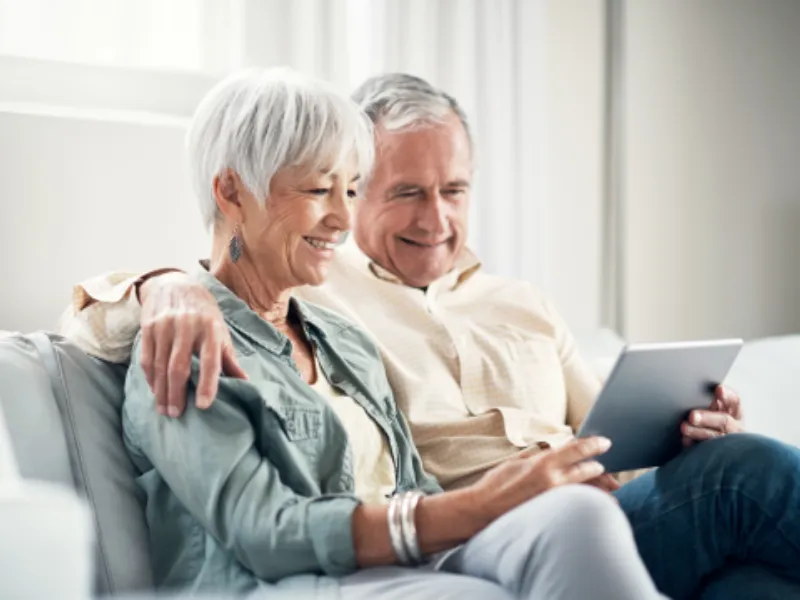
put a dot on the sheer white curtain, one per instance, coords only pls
(488, 54)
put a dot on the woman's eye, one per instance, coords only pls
(352, 194)
(319, 191)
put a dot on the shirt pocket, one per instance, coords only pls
(533, 374)
(299, 423)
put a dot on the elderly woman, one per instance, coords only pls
(303, 476)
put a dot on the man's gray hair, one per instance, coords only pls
(259, 121)
(399, 101)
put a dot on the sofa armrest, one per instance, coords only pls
(46, 550)
(9, 472)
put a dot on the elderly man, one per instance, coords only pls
(482, 366)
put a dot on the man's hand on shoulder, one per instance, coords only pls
(180, 318)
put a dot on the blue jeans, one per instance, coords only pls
(722, 520)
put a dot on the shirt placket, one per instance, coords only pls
(461, 350)
(338, 381)
(433, 305)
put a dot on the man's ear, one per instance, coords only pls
(227, 186)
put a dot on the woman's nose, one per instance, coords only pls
(341, 212)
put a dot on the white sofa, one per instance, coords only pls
(62, 410)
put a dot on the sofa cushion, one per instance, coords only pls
(81, 398)
(9, 472)
(31, 413)
(765, 376)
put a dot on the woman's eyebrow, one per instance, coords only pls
(355, 178)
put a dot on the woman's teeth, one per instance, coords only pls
(321, 244)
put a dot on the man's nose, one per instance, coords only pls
(433, 215)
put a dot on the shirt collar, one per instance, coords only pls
(467, 264)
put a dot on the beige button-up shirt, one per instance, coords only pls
(482, 366)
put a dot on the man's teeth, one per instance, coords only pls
(322, 245)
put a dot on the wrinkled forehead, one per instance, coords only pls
(423, 153)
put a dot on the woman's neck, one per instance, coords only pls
(255, 287)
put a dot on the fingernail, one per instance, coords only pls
(696, 418)
(161, 410)
(604, 443)
(173, 411)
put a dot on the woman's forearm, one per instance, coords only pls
(443, 521)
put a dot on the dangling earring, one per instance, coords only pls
(235, 245)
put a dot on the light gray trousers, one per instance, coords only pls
(571, 543)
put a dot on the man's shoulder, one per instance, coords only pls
(502, 286)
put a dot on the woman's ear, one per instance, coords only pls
(227, 186)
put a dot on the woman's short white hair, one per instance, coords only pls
(259, 121)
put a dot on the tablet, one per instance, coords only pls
(650, 392)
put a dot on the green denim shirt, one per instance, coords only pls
(260, 486)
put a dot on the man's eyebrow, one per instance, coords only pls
(462, 183)
(405, 187)
(355, 178)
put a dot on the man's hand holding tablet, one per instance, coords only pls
(724, 416)
(653, 390)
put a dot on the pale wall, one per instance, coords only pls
(80, 196)
(712, 185)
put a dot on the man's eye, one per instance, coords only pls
(319, 191)
(352, 193)
(407, 194)
(454, 192)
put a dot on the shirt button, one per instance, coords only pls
(336, 379)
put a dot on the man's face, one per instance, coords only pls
(413, 218)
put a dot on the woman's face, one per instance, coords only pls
(293, 236)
